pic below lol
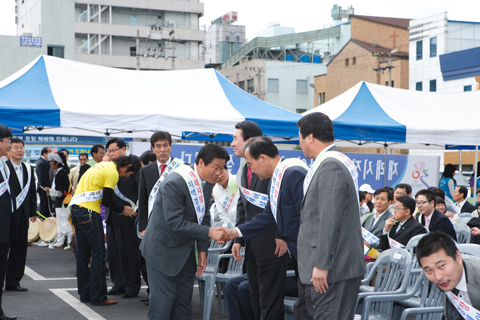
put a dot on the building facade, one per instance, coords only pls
(431, 37)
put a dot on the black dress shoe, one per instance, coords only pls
(147, 303)
(17, 288)
(128, 295)
(145, 299)
(5, 317)
(115, 291)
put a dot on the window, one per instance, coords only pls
(467, 88)
(433, 85)
(354, 60)
(419, 86)
(272, 85)
(133, 20)
(386, 84)
(302, 86)
(433, 47)
(133, 51)
(301, 110)
(56, 51)
(26, 18)
(346, 62)
(419, 49)
(241, 85)
(250, 85)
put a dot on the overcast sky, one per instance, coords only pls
(304, 15)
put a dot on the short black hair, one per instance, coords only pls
(210, 152)
(439, 200)
(428, 194)
(16, 140)
(449, 171)
(434, 242)
(250, 129)
(44, 150)
(83, 154)
(118, 141)
(63, 149)
(408, 203)
(463, 190)
(439, 192)
(95, 149)
(361, 195)
(147, 157)
(261, 145)
(5, 132)
(319, 125)
(123, 161)
(388, 191)
(160, 135)
(405, 186)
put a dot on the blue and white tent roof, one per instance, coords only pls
(371, 112)
(52, 92)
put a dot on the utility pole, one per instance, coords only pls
(137, 53)
(173, 56)
(389, 67)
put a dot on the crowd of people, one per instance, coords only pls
(153, 217)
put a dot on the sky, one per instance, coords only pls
(303, 15)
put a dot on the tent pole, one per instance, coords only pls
(460, 161)
(385, 165)
(475, 176)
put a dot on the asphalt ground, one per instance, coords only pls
(52, 293)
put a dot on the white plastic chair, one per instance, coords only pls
(463, 233)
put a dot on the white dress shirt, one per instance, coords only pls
(462, 289)
(19, 171)
(166, 163)
(220, 193)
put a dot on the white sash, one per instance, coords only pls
(121, 196)
(174, 164)
(6, 175)
(465, 309)
(22, 195)
(277, 179)
(195, 190)
(395, 244)
(369, 237)
(256, 198)
(87, 196)
(231, 193)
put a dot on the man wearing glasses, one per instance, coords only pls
(400, 228)
(431, 218)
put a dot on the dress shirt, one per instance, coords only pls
(462, 289)
(377, 217)
(220, 193)
(427, 219)
(460, 204)
(19, 171)
(160, 166)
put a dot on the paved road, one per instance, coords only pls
(52, 293)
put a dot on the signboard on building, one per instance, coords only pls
(30, 41)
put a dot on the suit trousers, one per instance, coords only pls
(123, 257)
(237, 297)
(143, 266)
(4, 247)
(17, 257)
(45, 203)
(267, 285)
(337, 303)
(171, 297)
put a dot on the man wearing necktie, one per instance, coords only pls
(444, 266)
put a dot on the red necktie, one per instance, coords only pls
(249, 177)
(162, 168)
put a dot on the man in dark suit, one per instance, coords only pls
(431, 218)
(460, 197)
(22, 186)
(43, 170)
(283, 208)
(179, 219)
(330, 246)
(458, 278)
(402, 226)
(264, 254)
(6, 211)
(376, 221)
(161, 144)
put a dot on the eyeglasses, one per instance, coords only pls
(9, 142)
(398, 209)
(421, 203)
(110, 151)
(18, 148)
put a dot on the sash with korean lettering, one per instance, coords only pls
(195, 190)
(394, 244)
(231, 193)
(256, 198)
(277, 178)
(174, 164)
(121, 196)
(369, 237)
(22, 195)
(465, 309)
(5, 172)
(87, 196)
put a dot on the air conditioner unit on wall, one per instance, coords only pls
(172, 24)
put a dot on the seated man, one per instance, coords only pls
(376, 222)
(460, 196)
(431, 218)
(402, 189)
(400, 228)
(459, 279)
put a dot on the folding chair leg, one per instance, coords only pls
(219, 293)
(209, 291)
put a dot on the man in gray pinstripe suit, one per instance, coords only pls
(330, 245)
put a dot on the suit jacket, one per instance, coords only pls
(439, 221)
(62, 184)
(264, 245)
(410, 228)
(330, 235)
(473, 288)
(43, 173)
(129, 188)
(147, 178)
(468, 207)
(173, 227)
(377, 228)
(5, 212)
(288, 213)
